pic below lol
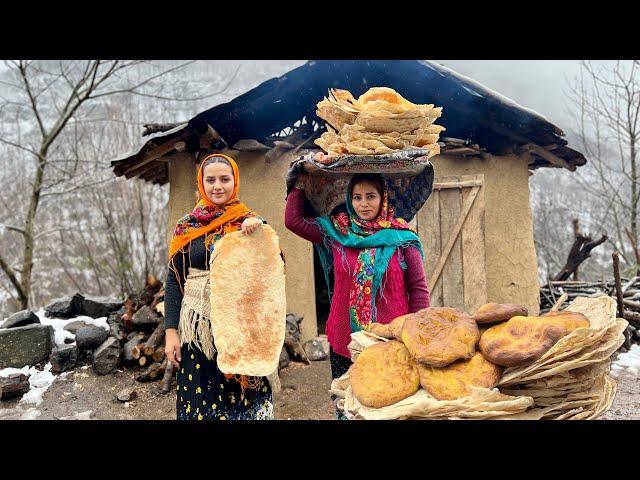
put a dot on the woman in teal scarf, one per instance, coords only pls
(374, 257)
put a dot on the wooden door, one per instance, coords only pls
(451, 228)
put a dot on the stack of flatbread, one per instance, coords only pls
(571, 381)
(482, 403)
(380, 121)
(568, 381)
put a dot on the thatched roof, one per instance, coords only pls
(471, 112)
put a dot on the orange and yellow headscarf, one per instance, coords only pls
(208, 217)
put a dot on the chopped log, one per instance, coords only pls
(136, 351)
(13, 386)
(169, 375)
(143, 360)
(155, 340)
(154, 372)
(633, 318)
(158, 355)
(133, 344)
(632, 304)
(157, 298)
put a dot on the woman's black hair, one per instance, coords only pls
(374, 178)
(216, 159)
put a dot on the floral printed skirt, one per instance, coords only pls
(204, 393)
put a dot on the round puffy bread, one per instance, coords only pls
(571, 320)
(523, 340)
(384, 374)
(439, 336)
(389, 330)
(452, 382)
(498, 312)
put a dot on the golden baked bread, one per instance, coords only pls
(571, 320)
(384, 374)
(452, 381)
(523, 340)
(439, 336)
(389, 330)
(498, 312)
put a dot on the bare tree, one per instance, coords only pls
(50, 97)
(607, 101)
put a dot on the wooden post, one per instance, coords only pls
(619, 296)
(616, 276)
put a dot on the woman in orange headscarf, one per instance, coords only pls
(204, 392)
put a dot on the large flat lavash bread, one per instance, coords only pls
(248, 302)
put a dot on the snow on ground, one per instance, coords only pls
(39, 381)
(629, 362)
(58, 324)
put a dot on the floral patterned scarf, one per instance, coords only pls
(208, 217)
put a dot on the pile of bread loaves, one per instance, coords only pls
(380, 121)
(558, 361)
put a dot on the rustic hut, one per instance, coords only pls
(476, 226)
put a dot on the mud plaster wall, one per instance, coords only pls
(511, 264)
(262, 188)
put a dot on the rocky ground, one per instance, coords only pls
(83, 394)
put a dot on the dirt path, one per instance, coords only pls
(303, 396)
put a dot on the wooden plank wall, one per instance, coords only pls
(462, 283)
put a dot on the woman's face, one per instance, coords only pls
(218, 182)
(366, 200)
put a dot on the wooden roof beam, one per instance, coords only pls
(548, 156)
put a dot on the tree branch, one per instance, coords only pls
(9, 273)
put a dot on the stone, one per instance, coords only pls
(127, 394)
(63, 358)
(21, 319)
(145, 319)
(325, 342)
(90, 337)
(66, 307)
(69, 341)
(74, 326)
(106, 357)
(98, 307)
(14, 385)
(315, 350)
(21, 346)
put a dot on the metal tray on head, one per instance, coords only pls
(408, 173)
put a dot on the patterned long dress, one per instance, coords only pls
(203, 391)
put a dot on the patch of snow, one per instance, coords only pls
(39, 381)
(628, 362)
(30, 414)
(58, 325)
